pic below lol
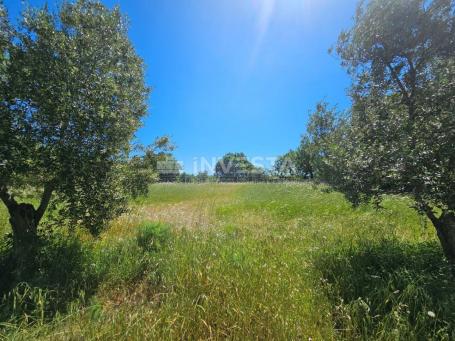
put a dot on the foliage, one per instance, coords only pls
(168, 169)
(305, 158)
(43, 281)
(186, 177)
(400, 137)
(286, 165)
(137, 176)
(310, 160)
(152, 236)
(69, 109)
(402, 99)
(202, 176)
(141, 170)
(235, 167)
(5, 43)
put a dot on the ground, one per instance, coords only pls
(261, 261)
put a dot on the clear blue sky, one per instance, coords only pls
(234, 75)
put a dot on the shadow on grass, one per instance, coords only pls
(61, 272)
(390, 290)
(41, 279)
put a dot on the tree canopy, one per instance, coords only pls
(309, 160)
(285, 166)
(401, 133)
(72, 96)
(235, 167)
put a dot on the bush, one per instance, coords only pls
(151, 237)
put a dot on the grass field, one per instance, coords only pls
(241, 261)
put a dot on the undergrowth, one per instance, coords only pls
(61, 272)
(390, 290)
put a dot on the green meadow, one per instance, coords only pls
(237, 261)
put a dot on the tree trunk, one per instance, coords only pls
(24, 218)
(446, 234)
(24, 222)
(445, 229)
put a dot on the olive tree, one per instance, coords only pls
(318, 143)
(401, 136)
(5, 41)
(72, 96)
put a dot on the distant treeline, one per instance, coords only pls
(235, 167)
(204, 177)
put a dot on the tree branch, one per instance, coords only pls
(413, 75)
(432, 216)
(403, 89)
(7, 198)
(45, 199)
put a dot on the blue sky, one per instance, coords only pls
(234, 75)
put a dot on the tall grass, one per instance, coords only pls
(390, 290)
(4, 224)
(247, 261)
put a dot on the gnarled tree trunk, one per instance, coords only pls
(24, 218)
(445, 229)
(24, 222)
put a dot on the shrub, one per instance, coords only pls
(151, 237)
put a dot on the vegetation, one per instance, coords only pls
(147, 166)
(295, 260)
(169, 169)
(282, 261)
(398, 137)
(235, 167)
(69, 108)
(201, 177)
(286, 166)
(309, 160)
